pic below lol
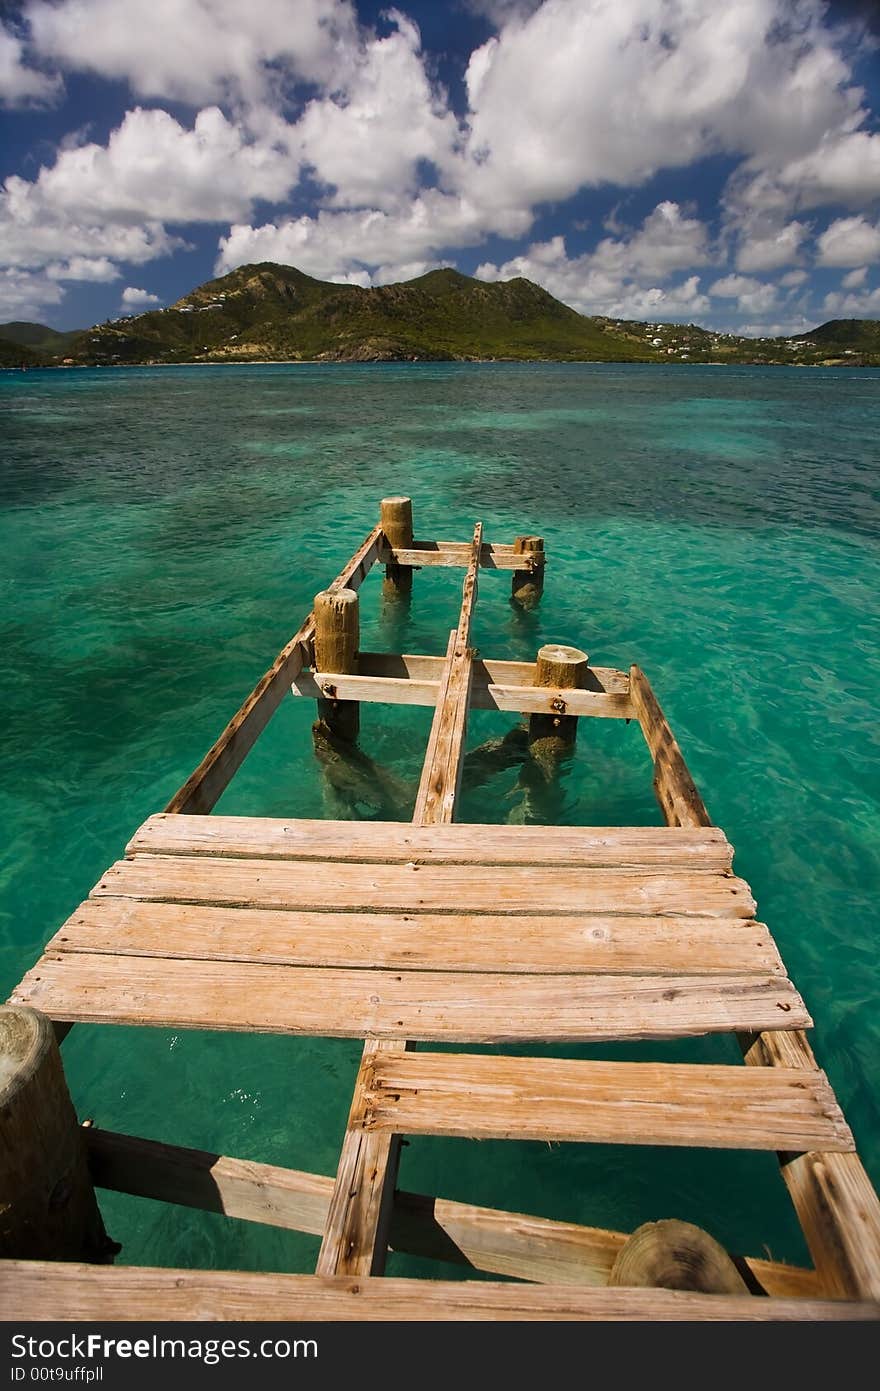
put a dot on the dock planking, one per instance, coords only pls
(437, 932)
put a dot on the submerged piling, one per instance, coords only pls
(527, 584)
(48, 1209)
(337, 637)
(395, 515)
(551, 737)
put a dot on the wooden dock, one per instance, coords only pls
(405, 934)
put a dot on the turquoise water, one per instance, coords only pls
(163, 532)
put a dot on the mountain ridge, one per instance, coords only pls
(269, 312)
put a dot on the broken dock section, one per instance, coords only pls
(412, 934)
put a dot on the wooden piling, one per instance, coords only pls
(396, 520)
(337, 637)
(47, 1203)
(673, 1255)
(527, 585)
(553, 736)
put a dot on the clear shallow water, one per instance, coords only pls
(164, 531)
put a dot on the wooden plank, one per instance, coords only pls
(427, 1005)
(441, 942)
(487, 672)
(441, 772)
(411, 887)
(546, 700)
(209, 780)
(502, 1243)
(381, 690)
(676, 790)
(270, 838)
(486, 1097)
(493, 555)
(524, 700)
(836, 1203)
(42, 1291)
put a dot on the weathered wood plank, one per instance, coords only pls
(39, 1291)
(482, 1096)
(524, 700)
(676, 790)
(413, 887)
(441, 773)
(502, 1243)
(493, 555)
(442, 942)
(426, 1005)
(204, 786)
(837, 1206)
(487, 671)
(262, 837)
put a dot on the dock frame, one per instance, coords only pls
(404, 934)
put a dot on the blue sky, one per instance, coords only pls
(714, 161)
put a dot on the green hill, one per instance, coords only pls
(16, 355)
(846, 335)
(277, 312)
(39, 337)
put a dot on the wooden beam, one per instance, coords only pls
(39, 1291)
(441, 771)
(356, 1236)
(676, 790)
(450, 554)
(835, 1201)
(210, 779)
(502, 1243)
(487, 1096)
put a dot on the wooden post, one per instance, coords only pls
(673, 1255)
(552, 736)
(395, 518)
(337, 636)
(527, 585)
(47, 1203)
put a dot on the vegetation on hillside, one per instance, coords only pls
(277, 313)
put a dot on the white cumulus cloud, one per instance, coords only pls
(24, 295)
(195, 51)
(626, 276)
(855, 279)
(133, 298)
(20, 84)
(849, 241)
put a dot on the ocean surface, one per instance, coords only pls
(163, 532)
